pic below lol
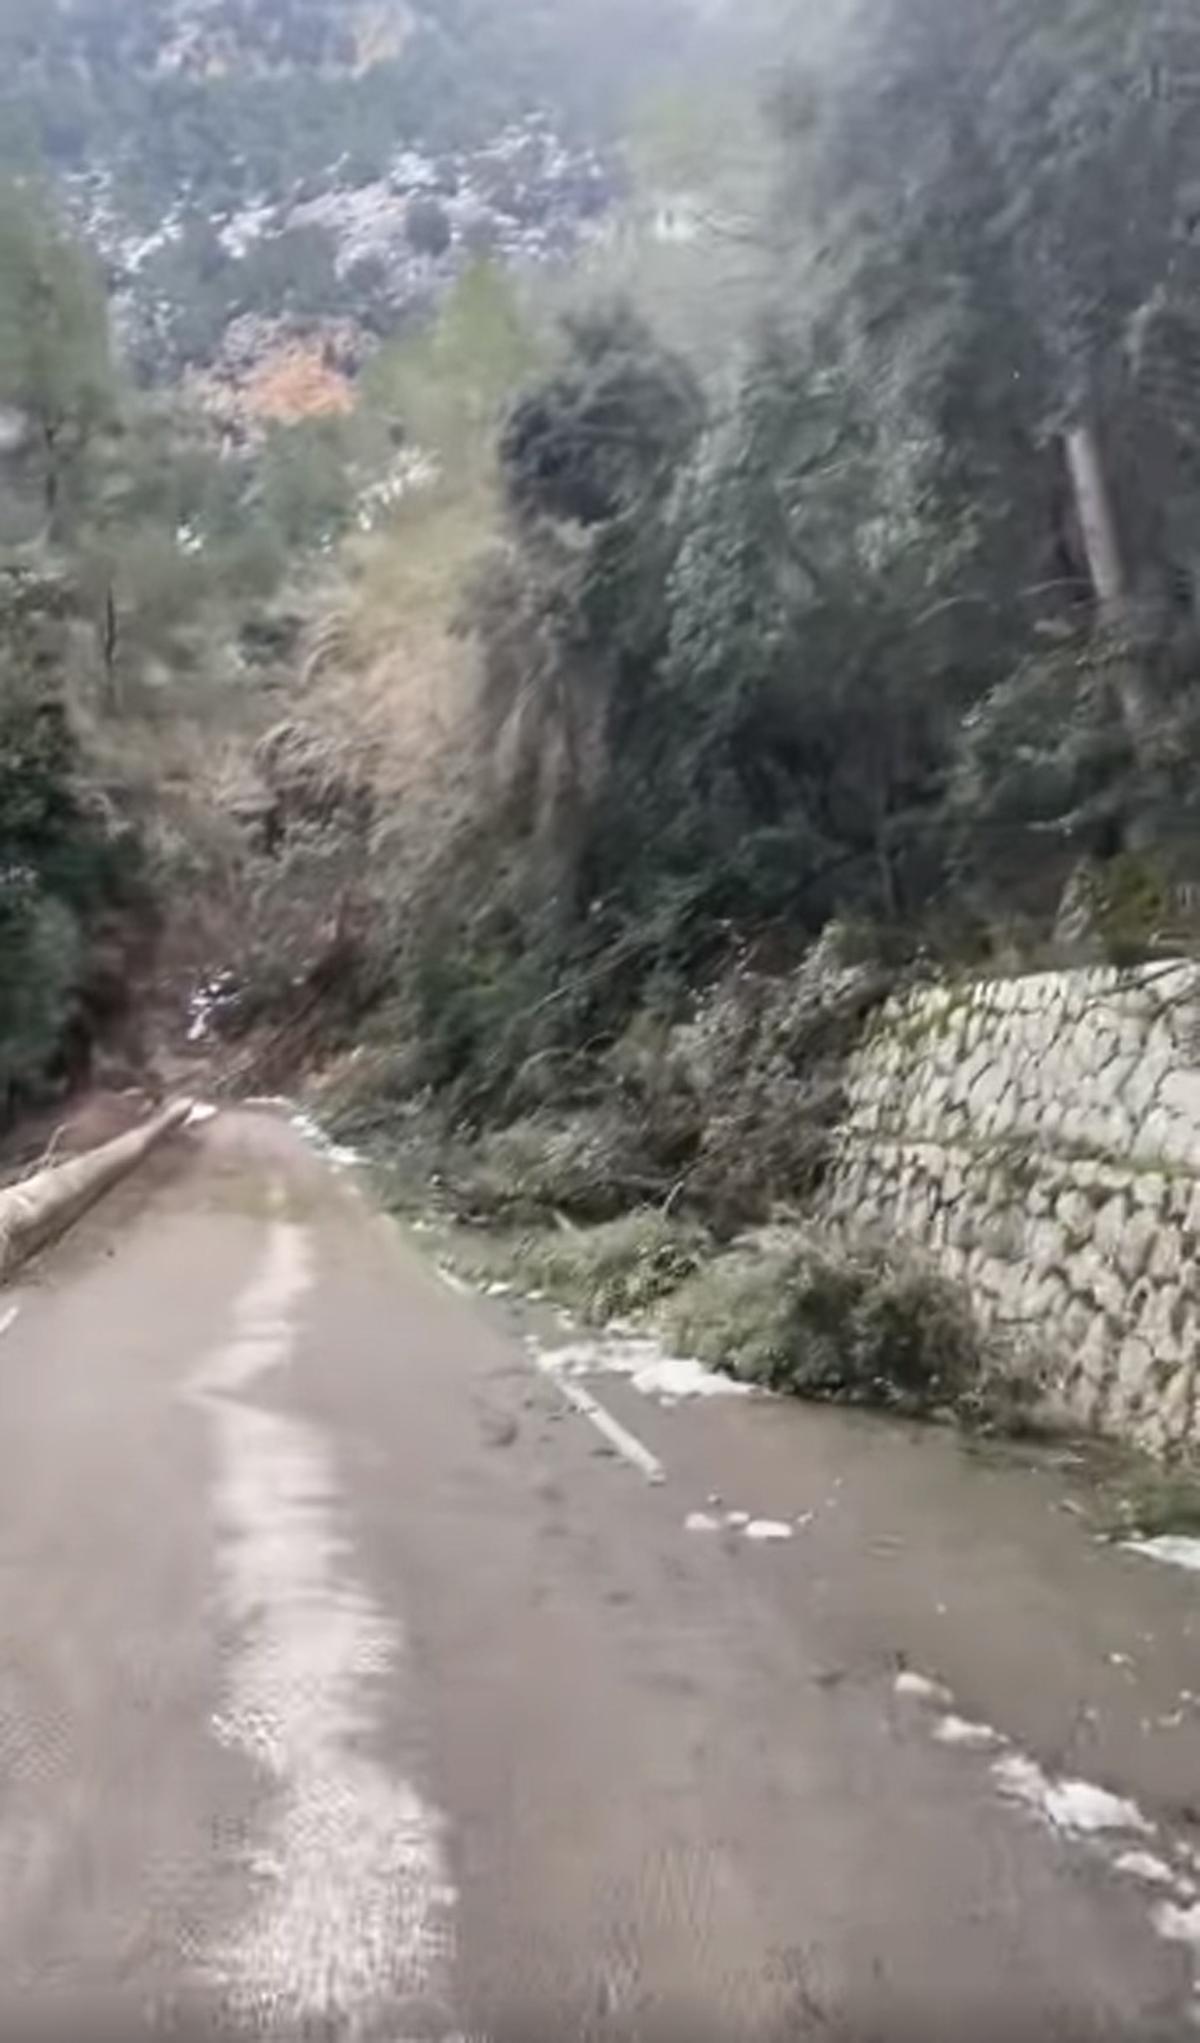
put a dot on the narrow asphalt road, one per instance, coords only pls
(357, 1684)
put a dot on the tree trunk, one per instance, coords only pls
(108, 633)
(50, 486)
(1085, 464)
(109, 645)
(1106, 565)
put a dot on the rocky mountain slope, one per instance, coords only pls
(259, 175)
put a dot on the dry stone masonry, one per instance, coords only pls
(1040, 1136)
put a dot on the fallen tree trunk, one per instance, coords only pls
(33, 1213)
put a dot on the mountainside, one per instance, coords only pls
(255, 174)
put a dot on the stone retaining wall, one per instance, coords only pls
(1040, 1136)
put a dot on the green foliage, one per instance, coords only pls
(41, 955)
(444, 390)
(602, 438)
(1145, 1502)
(55, 372)
(303, 483)
(614, 1271)
(65, 862)
(848, 648)
(274, 96)
(428, 228)
(860, 1327)
(590, 1166)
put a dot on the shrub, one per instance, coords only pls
(591, 1166)
(40, 966)
(371, 1092)
(865, 1326)
(754, 1080)
(1152, 1503)
(620, 1269)
(427, 226)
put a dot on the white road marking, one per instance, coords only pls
(767, 1528)
(353, 1906)
(628, 1446)
(618, 1436)
(8, 1316)
(200, 1113)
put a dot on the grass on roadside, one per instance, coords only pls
(615, 1271)
(793, 1312)
(861, 1327)
(1146, 1501)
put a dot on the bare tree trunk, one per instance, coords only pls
(1085, 464)
(110, 632)
(1106, 563)
(108, 636)
(52, 426)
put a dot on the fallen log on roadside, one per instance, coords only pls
(45, 1205)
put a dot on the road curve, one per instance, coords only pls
(354, 1685)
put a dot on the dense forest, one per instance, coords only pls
(803, 570)
(216, 101)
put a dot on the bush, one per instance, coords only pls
(865, 1327)
(1153, 1503)
(591, 1166)
(372, 1093)
(742, 1098)
(41, 950)
(427, 226)
(617, 1270)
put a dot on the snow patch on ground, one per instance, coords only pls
(1178, 1925)
(1143, 1865)
(759, 1529)
(1174, 1548)
(673, 1379)
(922, 1688)
(339, 1154)
(953, 1730)
(767, 1529)
(1077, 1807)
(1089, 1816)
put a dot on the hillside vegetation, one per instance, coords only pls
(652, 649)
(887, 620)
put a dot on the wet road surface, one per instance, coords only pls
(354, 1684)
